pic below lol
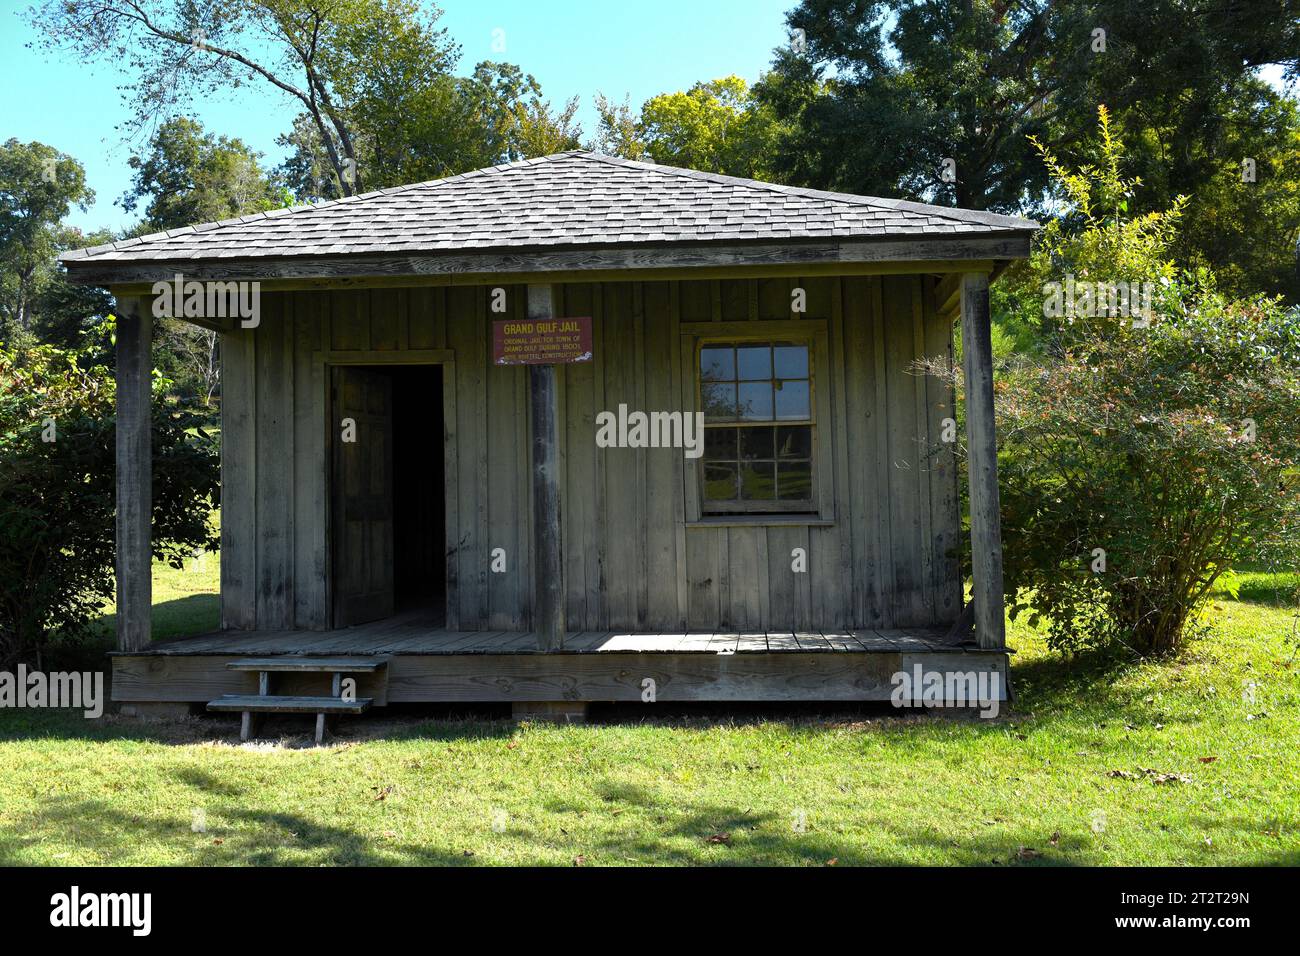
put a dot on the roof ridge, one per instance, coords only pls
(948, 212)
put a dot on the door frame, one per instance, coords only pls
(325, 361)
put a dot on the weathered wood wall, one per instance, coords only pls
(632, 558)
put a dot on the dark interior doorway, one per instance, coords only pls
(389, 520)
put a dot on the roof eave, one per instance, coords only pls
(464, 265)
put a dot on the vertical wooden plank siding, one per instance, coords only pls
(945, 503)
(239, 464)
(985, 526)
(637, 554)
(310, 601)
(134, 558)
(275, 472)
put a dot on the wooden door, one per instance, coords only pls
(362, 525)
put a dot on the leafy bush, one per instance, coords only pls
(1141, 455)
(57, 500)
(1136, 469)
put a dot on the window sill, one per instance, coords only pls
(762, 521)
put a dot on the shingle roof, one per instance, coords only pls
(575, 198)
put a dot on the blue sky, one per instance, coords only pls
(573, 47)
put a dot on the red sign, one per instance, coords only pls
(541, 341)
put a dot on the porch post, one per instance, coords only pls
(981, 438)
(134, 561)
(548, 558)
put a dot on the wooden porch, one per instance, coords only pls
(427, 663)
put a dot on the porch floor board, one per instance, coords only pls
(422, 634)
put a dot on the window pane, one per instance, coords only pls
(756, 401)
(717, 363)
(794, 441)
(756, 443)
(720, 482)
(793, 400)
(719, 401)
(720, 444)
(794, 480)
(791, 361)
(754, 361)
(757, 480)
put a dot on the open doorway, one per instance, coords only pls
(388, 518)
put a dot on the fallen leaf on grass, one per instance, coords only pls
(1207, 759)
(723, 838)
(832, 861)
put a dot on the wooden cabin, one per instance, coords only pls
(470, 539)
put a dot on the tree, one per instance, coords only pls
(618, 131)
(716, 126)
(539, 131)
(38, 187)
(1148, 445)
(937, 101)
(189, 177)
(328, 58)
(449, 125)
(57, 453)
(65, 313)
(1245, 223)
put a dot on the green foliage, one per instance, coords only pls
(618, 131)
(448, 125)
(1247, 232)
(38, 187)
(886, 91)
(189, 176)
(57, 502)
(716, 126)
(1173, 450)
(340, 63)
(1141, 456)
(1095, 240)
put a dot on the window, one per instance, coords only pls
(757, 399)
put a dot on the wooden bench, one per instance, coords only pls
(264, 702)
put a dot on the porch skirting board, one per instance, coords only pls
(506, 667)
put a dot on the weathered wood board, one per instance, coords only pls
(881, 554)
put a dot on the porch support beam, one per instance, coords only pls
(134, 560)
(981, 439)
(548, 555)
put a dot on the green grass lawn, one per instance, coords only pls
(1192, 762)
